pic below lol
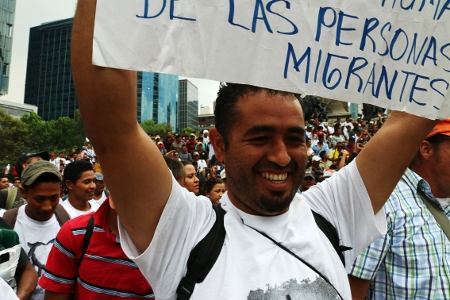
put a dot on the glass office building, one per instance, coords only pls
(49, 83)
(187, 106)
(7, 13)
(157, 98)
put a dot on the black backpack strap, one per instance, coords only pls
(203, 256)
(10, 216)
(61, 214)
(86, 239)
(331, 233)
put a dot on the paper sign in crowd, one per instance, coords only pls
(391, 53)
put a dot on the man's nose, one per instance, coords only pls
(279, 154)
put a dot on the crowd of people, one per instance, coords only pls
(307, 209)
(43, 191)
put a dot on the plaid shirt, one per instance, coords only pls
(412, 261)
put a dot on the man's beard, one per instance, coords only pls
(275, 204)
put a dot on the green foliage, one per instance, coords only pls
(12, 137)
(37, 137)
(32, 134)
(188, 129)
(151, 128)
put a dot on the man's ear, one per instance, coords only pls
(69, 184)
(24, 192)
(426, 149)
(217, 141)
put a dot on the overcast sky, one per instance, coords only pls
(31, 13)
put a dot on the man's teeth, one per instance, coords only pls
(274, 177)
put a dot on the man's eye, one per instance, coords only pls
(259, 139)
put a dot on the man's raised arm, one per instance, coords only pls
(384, 159)
(136, 172)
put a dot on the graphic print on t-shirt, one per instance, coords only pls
(32, 254)
(318, 289)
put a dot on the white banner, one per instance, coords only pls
(390, 53)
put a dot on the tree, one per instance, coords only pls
(37, 137)
(12, 135)
(65, 134)
(153, 129)
(189, 130)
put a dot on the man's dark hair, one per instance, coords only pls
(44, 177)
(437, 139)
(210, 183)
(4, 176)
(322, 153)
(227, 112)
(336, 127)
(185, 163)
(74, 170)
(176, 167)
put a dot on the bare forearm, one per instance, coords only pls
(107, 101)
(100, 96)
(27, 283)
(359, 287)
(376, 163)
(56, 296)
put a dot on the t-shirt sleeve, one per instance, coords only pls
(23, 259)
(343, 200)
(61, 269)
(186, 219)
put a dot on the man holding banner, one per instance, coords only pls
(260, 136)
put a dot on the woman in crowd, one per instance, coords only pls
(191, 182)
(336, 137)
(214, 189)
(325, 162)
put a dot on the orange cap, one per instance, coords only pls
(443, 127)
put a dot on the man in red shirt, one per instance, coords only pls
(105, 272)
(191, 143)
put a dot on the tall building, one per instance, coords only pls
(157, 98)
(7, 14)
(187, 105)
(206, 121)
(49, 83)
(355, 109)
(205, 110)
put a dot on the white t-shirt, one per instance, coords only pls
(36, 238)
(249, 263)
(73, 212)
(201, 163)
(101, 200)
(6, 292)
